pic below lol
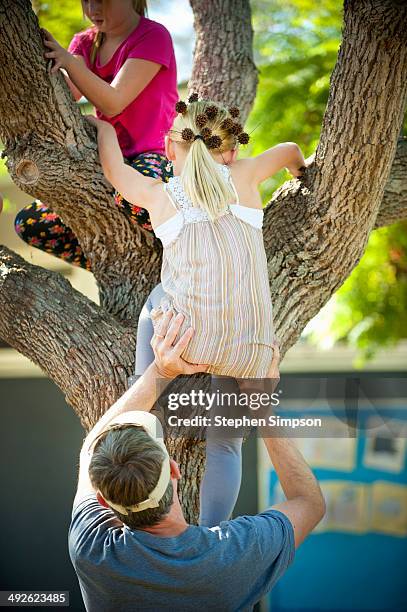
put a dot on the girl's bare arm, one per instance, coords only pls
(132, 185)
(284, 155)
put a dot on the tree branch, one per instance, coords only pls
(394, 204)
(223, 68)
(316, 229)
(84, 350)
(52, 155)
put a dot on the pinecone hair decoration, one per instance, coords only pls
(201, 120)
(243, 137)
(211, 111)
(193, 98)
(234, 111)
(227, 124)
(181, 107)
(214, 142)
(187, 134)
(206, 132)
(236, 128)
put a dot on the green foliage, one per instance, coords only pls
(369, 310)
(371, 305)
(296, 45)
(63, 18)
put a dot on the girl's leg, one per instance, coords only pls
(223, 472)
(144, 352)
(39, 227)
(221, 481)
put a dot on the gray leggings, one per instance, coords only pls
(223, 472)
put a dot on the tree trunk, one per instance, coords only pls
(223, 68)
(52, 155)
(315, 229)
(394, 204)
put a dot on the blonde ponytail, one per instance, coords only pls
(201, 178)
(203, 183)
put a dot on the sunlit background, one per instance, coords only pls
(356, 559)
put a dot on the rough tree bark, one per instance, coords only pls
(315, 229)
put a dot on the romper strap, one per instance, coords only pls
(228, 175)
(170, 196)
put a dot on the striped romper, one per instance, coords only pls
(215, 274)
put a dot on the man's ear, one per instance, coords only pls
(102, 500)
(175, 471)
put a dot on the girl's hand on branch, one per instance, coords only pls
(57, 53)
(299, 172)
(98, 123)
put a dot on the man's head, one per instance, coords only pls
(131, 470)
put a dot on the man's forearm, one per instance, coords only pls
(294, 474)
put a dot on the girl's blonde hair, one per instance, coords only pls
(200, 176)
(140, 7)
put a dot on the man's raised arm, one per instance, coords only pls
(305, 505)
(144, 393)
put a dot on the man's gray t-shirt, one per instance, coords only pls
(228, 568)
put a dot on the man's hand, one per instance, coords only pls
(254, 384)
(274, 371)
(168, 359)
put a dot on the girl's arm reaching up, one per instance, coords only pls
(132, 185)
(110, 99)
(285, 155)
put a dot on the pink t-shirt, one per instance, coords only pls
(142, 125)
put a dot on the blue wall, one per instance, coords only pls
(338, 571)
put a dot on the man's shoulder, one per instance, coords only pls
(271, 530)
(90, 524)
(250, 521)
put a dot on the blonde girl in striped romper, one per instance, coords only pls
(209, 219)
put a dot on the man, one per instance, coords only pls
(129, 542)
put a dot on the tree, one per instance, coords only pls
(315, 229)
(296, 47)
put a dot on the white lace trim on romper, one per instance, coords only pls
(169, 231)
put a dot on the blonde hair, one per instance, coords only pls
(200, 177)
(139, 6)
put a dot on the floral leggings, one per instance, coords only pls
(39, 227)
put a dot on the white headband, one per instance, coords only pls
(152, 426)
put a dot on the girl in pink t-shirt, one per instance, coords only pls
(125, 65)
